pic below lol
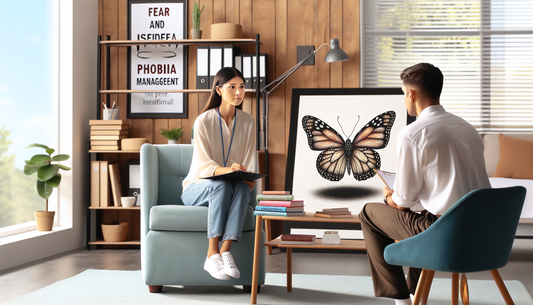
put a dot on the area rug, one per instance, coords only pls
(127, 287)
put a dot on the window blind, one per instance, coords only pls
(483, 48)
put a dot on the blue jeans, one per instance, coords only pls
(227, 202)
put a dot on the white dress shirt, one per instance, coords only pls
(207, 155)
(440, 159)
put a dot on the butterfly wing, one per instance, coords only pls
(374, 135)
(332, 162)
(321, 136)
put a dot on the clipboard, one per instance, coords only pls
(387, 177)
(237, 175)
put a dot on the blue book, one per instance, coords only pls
(268, 213)
(278, 209)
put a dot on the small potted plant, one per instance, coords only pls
(196, 33)
(48, 177)
(172, 135)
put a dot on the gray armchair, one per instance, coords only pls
(173, 236)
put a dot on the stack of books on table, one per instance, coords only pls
(107, 134)
(297, 239)
(279, 203)
(334, 213)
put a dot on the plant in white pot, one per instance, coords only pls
(196, 33)
(172, 135)
(48, 177)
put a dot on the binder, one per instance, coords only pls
(114, 177)
(238, 62)
(262, 71)
(105, 195)
(215, 62)
(247, 70)
(230, 51)
(95, 183)
(202, 67)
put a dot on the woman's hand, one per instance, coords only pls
(238, 167)
(251, 184)
(234, 167)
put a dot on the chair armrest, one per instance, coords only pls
(149, 184)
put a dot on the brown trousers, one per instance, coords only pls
(382, 225)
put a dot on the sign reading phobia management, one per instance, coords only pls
(157, 67)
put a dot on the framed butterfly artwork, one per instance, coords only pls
(337, 138)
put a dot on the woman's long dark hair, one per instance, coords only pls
(223, 76)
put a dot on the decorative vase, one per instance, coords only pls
(196, 34)
(44, 220)
(172, 141)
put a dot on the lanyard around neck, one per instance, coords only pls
(224, 157)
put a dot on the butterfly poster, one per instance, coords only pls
(337, 137)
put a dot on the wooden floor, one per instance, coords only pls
(25, 279)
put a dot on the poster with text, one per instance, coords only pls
(155, 67)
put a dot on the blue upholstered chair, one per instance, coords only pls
(173, 236)
(476, 234)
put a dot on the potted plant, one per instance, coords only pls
(196, 33)
(48, 177)
(172, 135)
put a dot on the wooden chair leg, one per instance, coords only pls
(463, 290)
(427, 287)
(503, 290)
(455, 288)
(155, 288)
(421, 286)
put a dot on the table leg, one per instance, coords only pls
(289, 269)
(268, 233)
(257, 246)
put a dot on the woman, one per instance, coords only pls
(224, 141)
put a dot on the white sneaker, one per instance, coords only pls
(229, 265)
(215, 266)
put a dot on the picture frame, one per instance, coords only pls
(157, 67)
(133, 184)
(340, 109)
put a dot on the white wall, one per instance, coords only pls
(77, 105)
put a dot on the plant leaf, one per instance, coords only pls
(29, 169)
(63, 167)
(40, 159)
(60, 157)
(36, 145)
(54, 182)
(44, 189)
(50, 151)
(46, 172)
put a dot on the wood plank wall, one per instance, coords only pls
(283, 25)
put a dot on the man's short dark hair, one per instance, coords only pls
(425, 76)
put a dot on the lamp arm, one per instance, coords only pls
(288, 73)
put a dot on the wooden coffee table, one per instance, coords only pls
(346, 244)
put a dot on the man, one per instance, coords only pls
(440, 159)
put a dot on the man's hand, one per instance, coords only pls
(387, 194)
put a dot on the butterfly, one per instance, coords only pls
(357, 156)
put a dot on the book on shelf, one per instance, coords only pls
(290, 242)
(298, 237)
(109, 132)
(279, 209)
(335, 210)
(282, 203)
(108, 138)
(276, 192)
(269, 213)
(110, 127)
(109, 122)
(114, 179)
(105, 142)
(103, 148)
(333, 215)
(275, 197)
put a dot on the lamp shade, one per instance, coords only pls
(335, 53)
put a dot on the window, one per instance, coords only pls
(483, 48)
(28, 101)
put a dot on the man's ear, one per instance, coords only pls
(412, 94)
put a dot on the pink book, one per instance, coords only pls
(282, 203)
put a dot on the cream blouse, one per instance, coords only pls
(207, 154)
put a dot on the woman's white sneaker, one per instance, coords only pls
(215, 266)
(229, 265)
